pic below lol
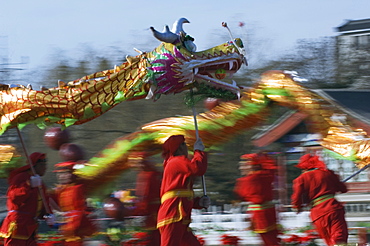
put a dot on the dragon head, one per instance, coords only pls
(175, 65)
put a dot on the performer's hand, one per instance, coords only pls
(204, 201)
(35, 181)
(50, 219)
(198, 145)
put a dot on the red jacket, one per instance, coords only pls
(25, 206)
(177, 187)
(71, 200)
(147, 190)
(320, 186)
(257, 189)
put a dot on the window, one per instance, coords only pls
(361, 42)
(356, 42)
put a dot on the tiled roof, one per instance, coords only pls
(354, 25)
(352, 102)
(277, 130)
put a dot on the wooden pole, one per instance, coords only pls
(354, 174)
(197, 137)
(47, 209)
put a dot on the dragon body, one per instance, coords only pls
(172, 67)
(229, 119)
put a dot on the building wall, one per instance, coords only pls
(353, 58)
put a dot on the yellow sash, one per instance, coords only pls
(321, 199)
(254, 207)
(177, 193)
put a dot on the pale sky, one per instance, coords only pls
(34, 29)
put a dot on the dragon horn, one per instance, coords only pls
(167, 36)
(177, 26)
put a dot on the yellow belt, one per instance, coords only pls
(177, 193)
(321, 199)
(254, 207)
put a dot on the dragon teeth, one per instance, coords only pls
(231, 64)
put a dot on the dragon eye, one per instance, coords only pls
(239, 42)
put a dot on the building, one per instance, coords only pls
(353, 53)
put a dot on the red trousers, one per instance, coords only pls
(332, 227)
(270, 238)
(20, 242)
(177, 234)
(154, 238)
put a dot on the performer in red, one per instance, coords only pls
(147, 191)
(177, 196)
(267, 162)
(26, 199)
(70, 197)
(256, 188)
(316, 187)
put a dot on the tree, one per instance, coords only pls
(86, 61)
(59, 68)
(317, 59)
(313, 60)
(102, 64)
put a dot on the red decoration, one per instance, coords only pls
(229, 240)
(308, 238)
(71, 152)
(115, 209)
(201, 240)
(54, 137)
(210, 103)
(139, 238)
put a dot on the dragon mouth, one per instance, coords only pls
(214, 73)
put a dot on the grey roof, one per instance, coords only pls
(354, 25)
(354, 100)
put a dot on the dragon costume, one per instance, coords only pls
(228, 119)
(174, 67)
